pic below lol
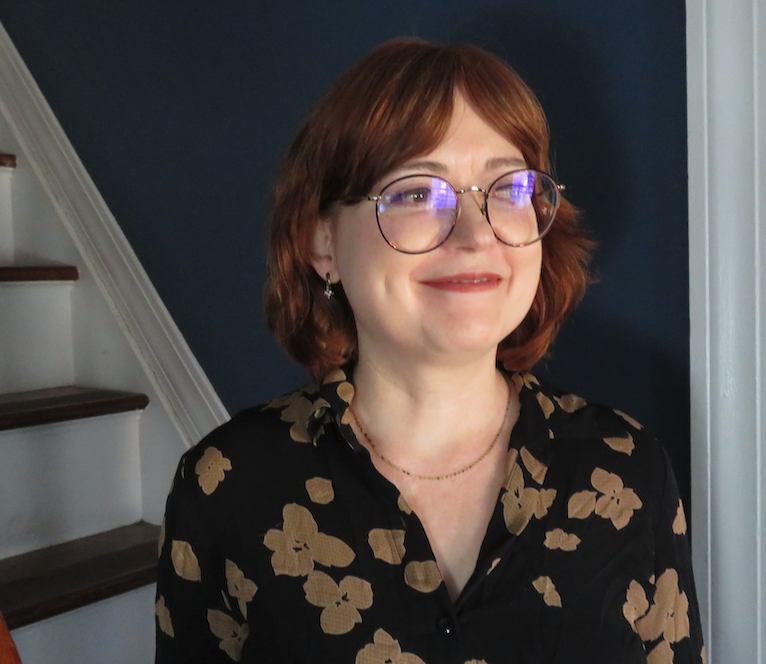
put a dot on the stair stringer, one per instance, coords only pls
(189, 403)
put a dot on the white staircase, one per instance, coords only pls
(99, 396)
(70, 467)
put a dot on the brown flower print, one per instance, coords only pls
(424, 577)
(581, 504)
(628, 419)
(340, 603)
(624, 445)
(520, 503)
(320, 490)
(185, 561)
(387, 545)
(544, 585)
(232, 634)
(211, 468)
(300, 544)
(545, 404)
(662, 654)
(679, 523)
(558, 539)
(669, 615)
(239, 587)
(547, 496)
(346, 391)
(476, 661)
(297, 409)
(385, 650)
(401, 503)
(537, 469)
(571, 402)
(163, 617)
(335, 376)
(617, 502)
(636, 604)
(524, 380)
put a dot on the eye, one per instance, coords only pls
(514, 195)
(517, 190)
(409, 197)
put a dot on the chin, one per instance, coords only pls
(469, 344)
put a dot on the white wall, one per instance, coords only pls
(116, 631)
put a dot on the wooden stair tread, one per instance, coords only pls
(60, 404)
(50, 581)
(14, 273)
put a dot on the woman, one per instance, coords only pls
(427, 499)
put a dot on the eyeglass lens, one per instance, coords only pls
(417, 213)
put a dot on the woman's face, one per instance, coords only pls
(462, 298)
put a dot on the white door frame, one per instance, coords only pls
(725, 69)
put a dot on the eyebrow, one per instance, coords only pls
(513, 162)
(438, 167)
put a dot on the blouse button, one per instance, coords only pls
(445, 625)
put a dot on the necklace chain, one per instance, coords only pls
(436, 477)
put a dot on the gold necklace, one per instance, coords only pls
(436, 477)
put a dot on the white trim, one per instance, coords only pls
(726, 309)
(182, 386)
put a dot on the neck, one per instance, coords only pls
(424, 382)
(430, 418)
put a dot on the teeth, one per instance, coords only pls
(470, 281)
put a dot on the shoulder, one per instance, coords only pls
(282, 421)
(259, 446)
(570, 415)
(590, 438)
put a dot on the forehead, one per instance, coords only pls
(468, 143)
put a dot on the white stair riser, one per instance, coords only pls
(35, 335)
(62, 481)
(6, 216)
(119, 630)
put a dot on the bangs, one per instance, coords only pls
(394, 108)
(398, 111)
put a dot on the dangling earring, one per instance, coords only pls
(328, 292)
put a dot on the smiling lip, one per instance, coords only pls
(466, 283)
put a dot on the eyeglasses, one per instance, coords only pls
(417, 213)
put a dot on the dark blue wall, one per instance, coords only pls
(181, 112)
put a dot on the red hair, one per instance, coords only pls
(393, 105)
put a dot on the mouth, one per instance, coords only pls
(470, 281)
(465, 283)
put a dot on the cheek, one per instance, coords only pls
(527, 267)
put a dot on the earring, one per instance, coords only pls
(328, 292)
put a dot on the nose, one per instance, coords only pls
(472, 230)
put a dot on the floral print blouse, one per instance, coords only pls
(282, 543)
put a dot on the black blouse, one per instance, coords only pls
(282, 543)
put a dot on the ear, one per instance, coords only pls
(323, 254)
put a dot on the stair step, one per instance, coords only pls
(39, 272)
(50, 581)
(60, 404)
